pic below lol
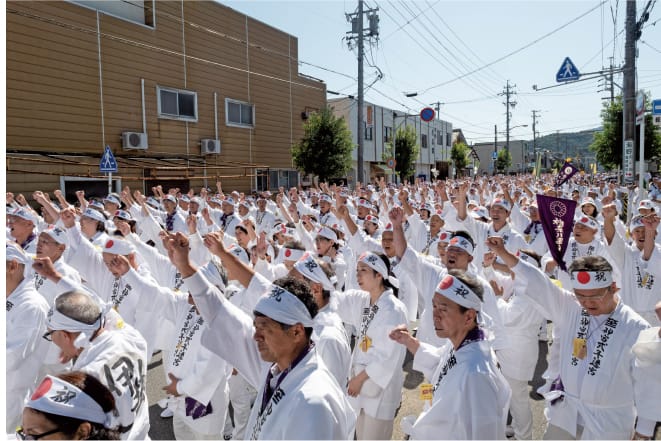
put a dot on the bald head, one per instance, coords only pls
(78, 306)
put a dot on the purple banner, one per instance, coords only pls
(557, 216)
(566, 172)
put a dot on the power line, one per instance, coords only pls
(515, 51)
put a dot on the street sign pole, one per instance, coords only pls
(640, 112)
(109, 182)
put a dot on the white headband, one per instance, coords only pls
(94, 214)
(461, 242)
(57, 234)
(444, 237)
(58, 397)
(636, 221)
(282, 306)
(591, 279)
(60, 322)
(455, 290)
(378, 265)
(325, 198)
(364, 203)
(240, 253)
(292, 254)
(327, 233)
(118, 246)
(588, 222)
(310, 269)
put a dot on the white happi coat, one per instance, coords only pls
(203, 375)
(26, 323)
(471, 397)
(480, 231)
(641, 280)
(308, 394)
(332, 342)
(600, 391)
(118, 358)
(383, 360)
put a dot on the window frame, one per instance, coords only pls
(235, 124)
(178, 117)
(110, 14)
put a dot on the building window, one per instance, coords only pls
(275, 178)
(238, 113)
(387, 134)
(136, 11)
(448, 138)
(433, 136)
(176, 104)
(423, 141)
(368, 132)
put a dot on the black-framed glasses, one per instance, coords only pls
(48, 336)
(25, 436)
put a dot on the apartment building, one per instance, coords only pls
(380, 125)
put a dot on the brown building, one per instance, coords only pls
(151, 80)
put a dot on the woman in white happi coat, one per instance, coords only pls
(596, 395)
(468, 395)
(26, 323)
(299, 399)
(329, 334)
(377, 376)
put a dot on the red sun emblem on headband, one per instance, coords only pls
(109, 244)
(288, 253)
(42, 389)
(389, 226)
(443, 236)
(446, 282)
(583, 277)
(454, 241)
(584, 219)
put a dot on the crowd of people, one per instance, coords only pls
(295, 311)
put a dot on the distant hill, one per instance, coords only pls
(568, 144)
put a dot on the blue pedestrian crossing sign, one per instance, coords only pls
(567, 72)
(108, 163)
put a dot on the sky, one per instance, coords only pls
(463, 53)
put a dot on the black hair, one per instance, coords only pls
(386, 282)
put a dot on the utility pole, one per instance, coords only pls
(629, 92)
(495, 147)
(508, 92)
(535, 115)
(358, 33)
(437, 107)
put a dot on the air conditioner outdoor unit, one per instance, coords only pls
(134, 141)
(210, 146)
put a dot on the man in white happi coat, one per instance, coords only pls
(598, 391)
(22, 223)
(26, 323)
(499, 211)
(640, 261)
(468, 396)
(264, 219)
(110, 281)
(298, 397)
(101, 344)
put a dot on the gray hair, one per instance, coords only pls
(79, 306)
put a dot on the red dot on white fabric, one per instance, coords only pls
(42, 389)
(446, 282)
(109, 244)
(288, 253)
(584, 219)
(583, 277)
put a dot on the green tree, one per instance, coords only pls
(503, 160)
(459, 155)
(406, 152)
(325, 149)
(608, 143)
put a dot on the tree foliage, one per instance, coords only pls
(503, 160)
(608, 143)
(459, 155)
(406, 152)
(326, 146)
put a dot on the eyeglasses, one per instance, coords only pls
(48, 335)
(25, 436)
(598, 297)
